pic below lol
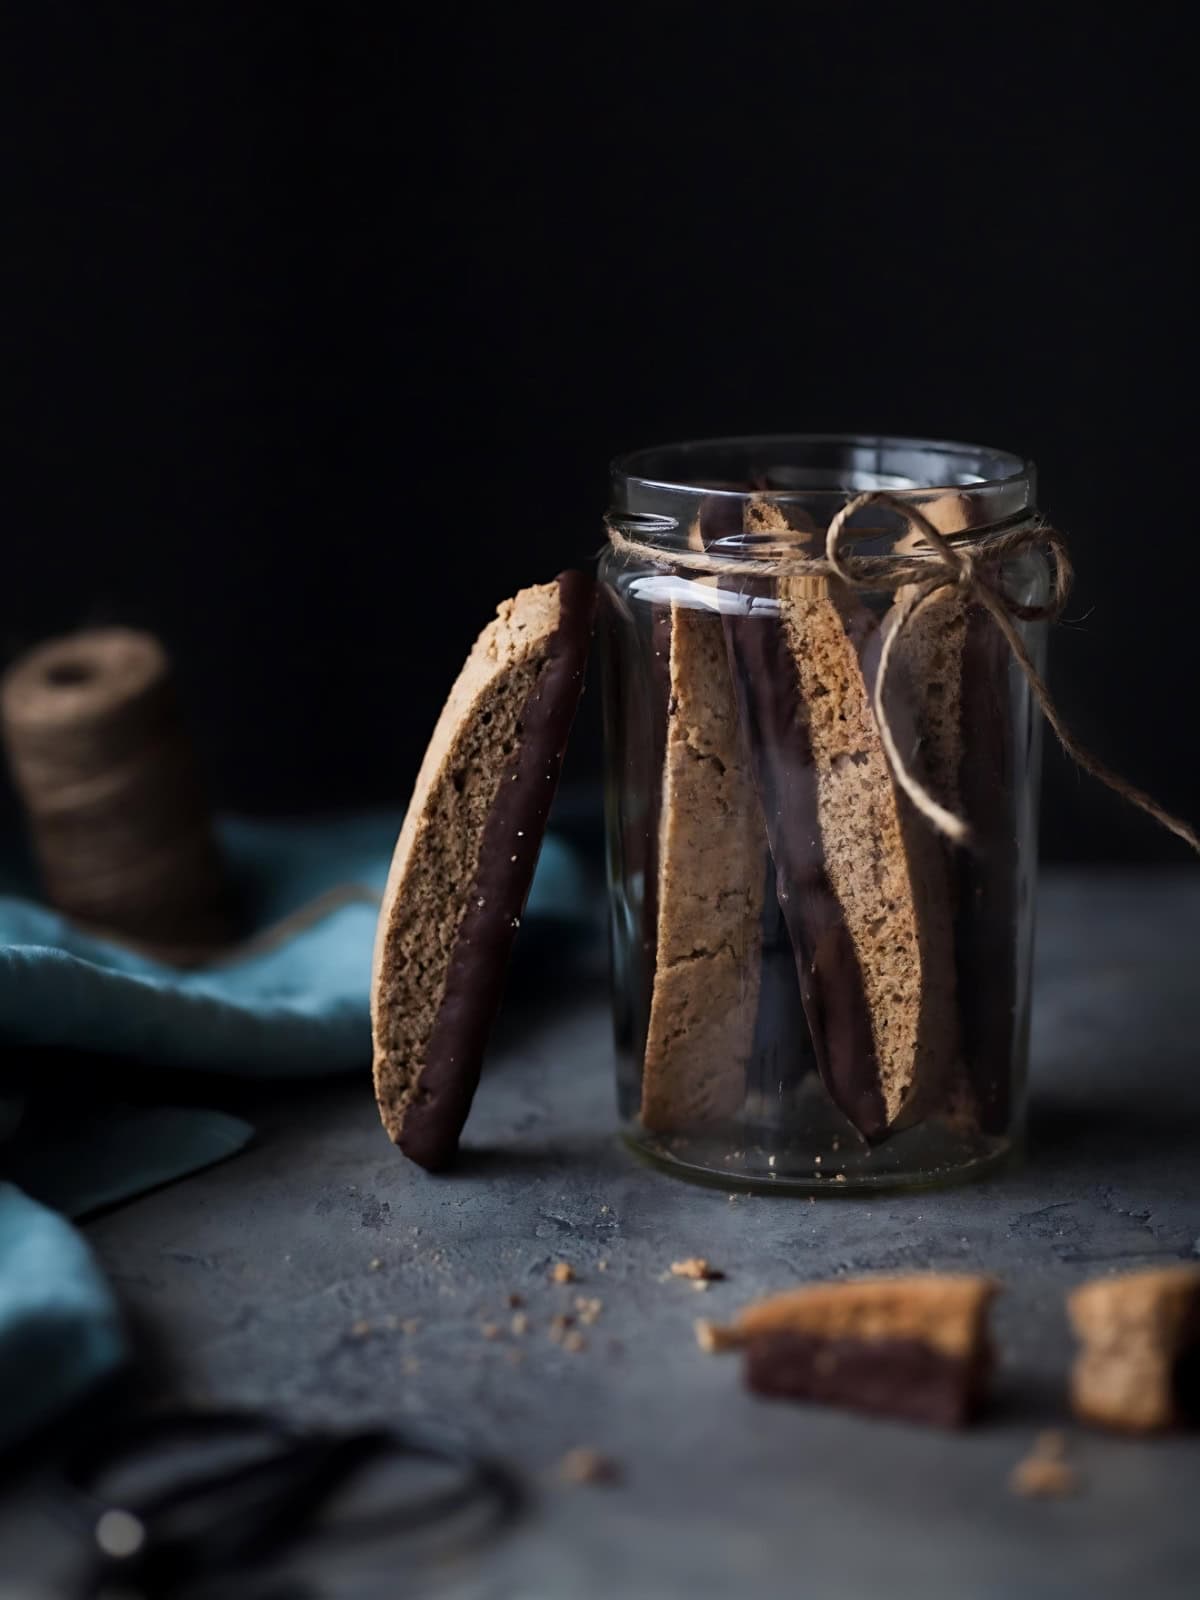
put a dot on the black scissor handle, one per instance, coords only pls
(212, 1521)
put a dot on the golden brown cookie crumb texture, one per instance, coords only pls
(1138, 1368)
(464, 860)
(948, 1311)
(711, 875)
(878, 856)
(713, 1339)
(1045, 1473)
(862, 878)
(562, 1272)
(695, 1267)
(913, 1347)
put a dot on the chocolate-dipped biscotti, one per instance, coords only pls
(915, 1347)
(465, 858)
(952, 667)
(1138, 1368)
(708, 900)
(860, 877)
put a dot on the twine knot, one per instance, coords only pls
(970, 565)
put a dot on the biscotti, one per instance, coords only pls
(915, 1347)
(1138, 1368)
(465, 858)
(711, 858)
(952, 665)
(861, 880)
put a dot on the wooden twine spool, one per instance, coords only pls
(110, 783)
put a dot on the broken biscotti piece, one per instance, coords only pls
(1139, 1366)
(861, 878)
(711, 873)
(465, 858)
(914, 1347)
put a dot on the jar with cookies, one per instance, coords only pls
(822, 762)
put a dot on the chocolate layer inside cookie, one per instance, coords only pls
(986, 875)
(952, 668)
(906, 1378)
(465, 858)
(860, 879)
(914, 1346)
(772, 709)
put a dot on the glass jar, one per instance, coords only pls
(813, 989)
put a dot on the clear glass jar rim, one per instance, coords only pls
(1008, 470)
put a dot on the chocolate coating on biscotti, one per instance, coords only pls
(905, 1378)
(425, 1084)
(987, 874)
(771, 707)
(954, 666)
(912, 1346)
(861, 881)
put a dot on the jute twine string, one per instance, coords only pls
(969, 565)
(116, 809)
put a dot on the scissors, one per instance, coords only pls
(207, 1502)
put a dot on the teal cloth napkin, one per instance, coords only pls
(59, 1327)
(296, 1005)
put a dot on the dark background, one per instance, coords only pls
(321, 323)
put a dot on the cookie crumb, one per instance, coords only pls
(520, 1323)
(588, 1466)
(714, 1339)
(574, 1341)
(1045, 1474)
(515, 1301)
(695, 1267)
(588, 1309)
(360, 1330)
(562, 1272)
(374, 1264)
(489, 1330)
(602, 1266)
(559, 1326)
(839, 1177)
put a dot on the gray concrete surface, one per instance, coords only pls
(250, 1280)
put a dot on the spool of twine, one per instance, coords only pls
(110, 783)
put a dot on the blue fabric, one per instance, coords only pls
(59, 1328)
(297, 1008)
(300, 1007)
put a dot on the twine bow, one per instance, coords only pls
(969, 566)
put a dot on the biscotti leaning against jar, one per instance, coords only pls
(822, 673)
(815, 987)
